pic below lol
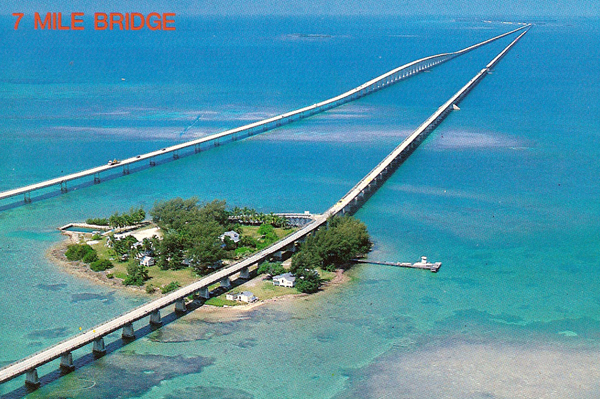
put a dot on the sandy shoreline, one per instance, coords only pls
(56, 254)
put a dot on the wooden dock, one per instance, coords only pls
(422, 264)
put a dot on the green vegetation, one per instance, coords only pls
(135, 216)
(219, 301)
(191, 243)
(251, 216)
(81, 252)
(101, 265)
(136, 274)
(97, 221)
(272, 268)
(334, 246)
(172, 286)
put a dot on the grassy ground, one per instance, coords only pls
(158, 277)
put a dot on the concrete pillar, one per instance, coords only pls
(63, 187)
(31, 378)
(98, 349)
(155, 319)
(226, 283)
(245, 273)
(278, 255)
(27, 197)
(180, 306)
(175, 155)
(66, 362)
(128, 331)
(204, 293)
(152, 162)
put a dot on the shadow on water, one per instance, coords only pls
(121, 342)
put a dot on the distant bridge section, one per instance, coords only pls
(123, 166)
(349, 203)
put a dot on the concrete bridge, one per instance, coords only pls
(195, 146)
(347, 204)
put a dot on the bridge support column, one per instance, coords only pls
(180, 306)
(66, 362)
(152, 162)
(204, 293)
(278, 255)
(96, 178)
(128, 331)
(175, 155)
(245, 273)
(99, 349)
(31, 378)
(27, 198)
(196, 149)
(226, 282)
(155, 319)
(125, 169)
(63, 187)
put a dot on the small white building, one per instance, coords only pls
(147, 261)
(245, 296)
(285, 280)
(232, 235)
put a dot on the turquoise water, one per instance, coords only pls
(504, 193)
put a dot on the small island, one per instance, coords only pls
(185, 240)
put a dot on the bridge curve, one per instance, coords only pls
(378, 83)
(348, 203)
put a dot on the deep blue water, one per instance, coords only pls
(504, 193)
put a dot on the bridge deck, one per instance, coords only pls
(344, 205)
(372, 85)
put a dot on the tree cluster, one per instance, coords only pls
(331, 247)
(191, 233)
(134, 216)
(251, 216)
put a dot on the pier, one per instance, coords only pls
(122, 167)
(349, 203)
(423, 264)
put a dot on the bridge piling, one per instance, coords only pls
(155, 319)
(96, 178)
(66, 362)
(204, 293)
(180, 306)
(31, 378)
(98, 349)
(245, 273)
(128, 331)
(225, 282)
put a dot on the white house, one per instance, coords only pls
(284, 280)
(232, 235)
(245, 296)
(147, 261)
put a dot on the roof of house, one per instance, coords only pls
(247, 293)
(232, 235)
(286, 276)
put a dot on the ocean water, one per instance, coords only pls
(504, 193)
